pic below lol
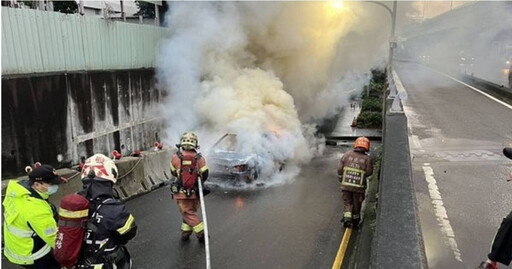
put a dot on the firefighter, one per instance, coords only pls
(110, 225)
(188, 166)
(30, 227)
(501, 249)
(353, 169)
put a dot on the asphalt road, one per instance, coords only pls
(293, 225)
(456, 136)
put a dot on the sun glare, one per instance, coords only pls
(337, 4)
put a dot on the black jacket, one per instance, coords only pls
(112, 223)
(501, 249)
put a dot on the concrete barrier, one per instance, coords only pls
(131, 177)
(398, 242)
(74, 184)
(137, 175)
(156, 167)
(397, 92)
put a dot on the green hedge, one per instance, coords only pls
(371, 104)
(379, 75)
(369, 119)
(374, 89)
(371, 107)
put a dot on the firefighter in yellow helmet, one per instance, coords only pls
(188, 166)
(354, 167)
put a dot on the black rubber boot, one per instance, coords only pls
(347, 223)
(355, 223)
(185, 235)
(200, 237)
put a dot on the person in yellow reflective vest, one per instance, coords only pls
(29, 224)
(353, 169)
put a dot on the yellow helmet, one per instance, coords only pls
(188, 141)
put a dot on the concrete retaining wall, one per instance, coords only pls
(76, 114)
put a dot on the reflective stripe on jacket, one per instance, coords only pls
(354, 167)
(29, 226)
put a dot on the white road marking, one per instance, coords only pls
(473, 88)
(440, 210)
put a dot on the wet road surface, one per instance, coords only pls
(456, 137)
(295, 225)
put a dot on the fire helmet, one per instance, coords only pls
(100, 166)
(362, 142)
(188, 141)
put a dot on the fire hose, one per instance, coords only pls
(131, 170)
(206, 237)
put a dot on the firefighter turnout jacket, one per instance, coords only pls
(112, 226)
(354, 167)
(182, 160)
(29, 224)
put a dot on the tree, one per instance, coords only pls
(28, 3)
(68, 7)
(147, 10)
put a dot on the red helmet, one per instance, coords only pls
(101, 166)
(362, 142)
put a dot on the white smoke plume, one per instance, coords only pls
(253, 68)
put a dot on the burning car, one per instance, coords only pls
(226, 161)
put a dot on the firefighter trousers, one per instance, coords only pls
(191, 221)
(352, 203)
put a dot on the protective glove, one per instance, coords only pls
(488, 265)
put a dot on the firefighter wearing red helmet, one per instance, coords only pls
(188, 166)
(354, 167)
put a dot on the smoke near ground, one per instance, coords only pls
(263, 69)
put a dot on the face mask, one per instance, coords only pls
(52, 189)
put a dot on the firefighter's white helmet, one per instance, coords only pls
(100, 166)
(188, 141)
